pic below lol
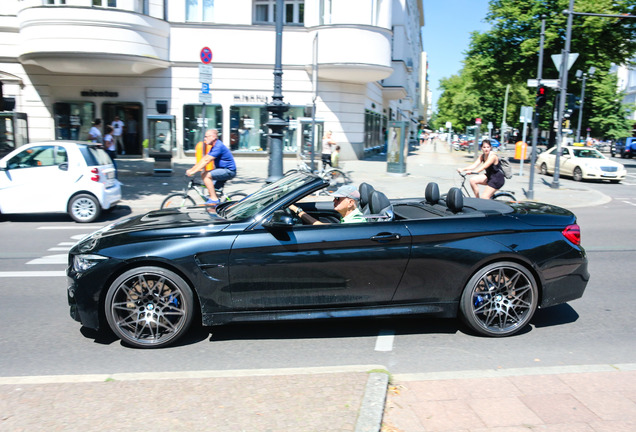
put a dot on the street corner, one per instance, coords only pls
(567, 195)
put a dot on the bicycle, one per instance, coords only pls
(499, 195)
(335, 176)
(184, 199)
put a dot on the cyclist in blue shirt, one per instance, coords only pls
(224, 165)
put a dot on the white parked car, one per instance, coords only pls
(58, 177)
(581, 163)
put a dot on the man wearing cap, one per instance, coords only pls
(345, 202)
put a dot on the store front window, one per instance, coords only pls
(374, 124)
(290, 140)
(248, 128)
(194, 125)
(73, 120)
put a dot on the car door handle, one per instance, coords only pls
(382, 237)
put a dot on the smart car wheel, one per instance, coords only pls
(149, 307)
(577, 174)
(84, 208)
(500, 299)
(544, 169)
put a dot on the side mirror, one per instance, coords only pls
(279, 219)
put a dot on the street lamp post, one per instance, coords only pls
(277, 107)
(582, 76)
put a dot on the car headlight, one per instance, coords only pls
(82, 263)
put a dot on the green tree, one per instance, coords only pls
(508, 54)
(608, 116)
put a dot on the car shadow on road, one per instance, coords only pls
(332, 328)
(554, 316)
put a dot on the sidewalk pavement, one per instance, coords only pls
(361, 398)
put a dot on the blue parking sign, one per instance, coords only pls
(205, 88)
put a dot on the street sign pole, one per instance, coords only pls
(205, 78)
(563, 80)
(536, 117)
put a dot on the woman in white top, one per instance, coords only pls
(95, 135)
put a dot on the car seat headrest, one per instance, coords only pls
(455, 200)
(432, 193)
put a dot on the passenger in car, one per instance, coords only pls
(345, 202)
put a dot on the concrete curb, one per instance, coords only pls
(372, 408)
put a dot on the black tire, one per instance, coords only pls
(544, 169)
(577, 174)
(177, 200)
(504, 196)
(500, 299)
(84, 208)
(336, 178)
(149, 307)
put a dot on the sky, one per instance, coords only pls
(446, 35)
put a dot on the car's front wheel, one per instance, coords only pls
(577, 174)
(500, 299)
(544, 169)
(149, 307)
(84, 208)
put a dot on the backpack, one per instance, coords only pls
(506, 169)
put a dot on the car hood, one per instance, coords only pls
(166, 219)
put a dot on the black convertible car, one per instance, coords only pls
(493, 263)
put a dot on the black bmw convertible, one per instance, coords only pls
(149, 278)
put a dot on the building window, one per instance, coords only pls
(265, 12)
(194, 126)
(105, 3)
(248, 128)
(374, 127)
(73, 120)
(325, 12)
(199, 10)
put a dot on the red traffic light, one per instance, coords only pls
(541, 96)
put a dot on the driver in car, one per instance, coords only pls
(345, 202)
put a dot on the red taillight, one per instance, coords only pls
(572, 233)
(95, 176)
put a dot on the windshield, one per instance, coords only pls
(265, 196)
(588, 153)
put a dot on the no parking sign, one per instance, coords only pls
(206, 55)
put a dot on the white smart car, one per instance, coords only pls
(581, 163)
(58, 177)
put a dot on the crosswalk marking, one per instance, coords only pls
(73, 227)
(65, 248)
(50, 259)
(15, 274)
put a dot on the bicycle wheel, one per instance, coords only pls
(236, 196)
(336, 178)
(504, 196)
(177, 200)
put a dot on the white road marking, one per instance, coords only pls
(66, 244)
(385, 340)
(62, 249)
(78, 227)
(51, 259)
(9, 274)
(630, 203)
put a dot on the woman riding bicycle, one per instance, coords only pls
(493, 178)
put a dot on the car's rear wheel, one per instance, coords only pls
(544, 169)
(149, 307)
(500, 299)
(577, 174)
(84, 208)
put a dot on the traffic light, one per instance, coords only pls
(541, 96)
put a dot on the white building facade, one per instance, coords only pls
(67, 62)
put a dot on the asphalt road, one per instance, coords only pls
(39, 338)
